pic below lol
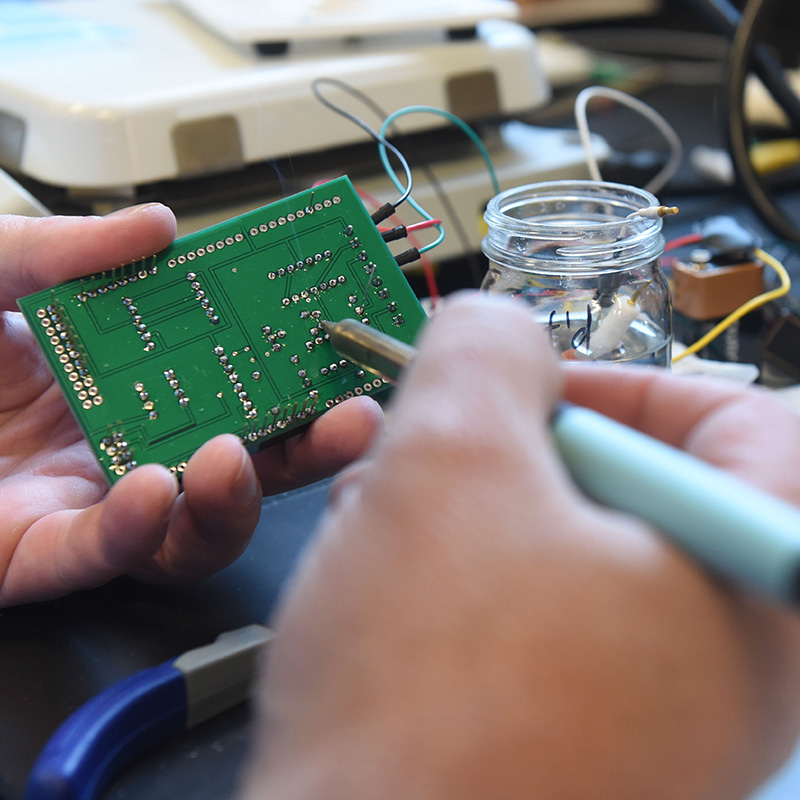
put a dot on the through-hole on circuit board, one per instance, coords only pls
(219, 332)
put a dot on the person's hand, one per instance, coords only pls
(468, 625)
(61, 528)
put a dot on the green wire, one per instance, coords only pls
(464, 127)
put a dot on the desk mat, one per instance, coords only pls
(56, 655)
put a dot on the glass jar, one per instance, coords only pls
(587, 262)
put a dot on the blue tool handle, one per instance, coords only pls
(107, 731)
(733, 528)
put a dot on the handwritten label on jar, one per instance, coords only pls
(581, 337)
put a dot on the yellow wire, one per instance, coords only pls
(745, 308)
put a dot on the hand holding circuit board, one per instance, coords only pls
(63, 529)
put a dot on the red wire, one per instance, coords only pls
(683, 241)
(417, 226)
(430, 278)
(426, 223)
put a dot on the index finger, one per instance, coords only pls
(485, 357)
(37, 252)
(477, 398)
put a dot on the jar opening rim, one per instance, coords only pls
(615, 203)
(572, 224)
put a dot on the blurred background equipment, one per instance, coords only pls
(208, 107)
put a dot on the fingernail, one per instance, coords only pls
(246, 489)
(130, 211)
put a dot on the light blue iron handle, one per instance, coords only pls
(733, 528)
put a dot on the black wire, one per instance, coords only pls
(750, 30)
(728, 19)
(315, 88)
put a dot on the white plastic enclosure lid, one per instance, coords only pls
(97, 95)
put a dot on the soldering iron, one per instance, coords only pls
(734, 529)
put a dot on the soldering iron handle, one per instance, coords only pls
(731, 527)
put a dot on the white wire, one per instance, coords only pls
(668, 132)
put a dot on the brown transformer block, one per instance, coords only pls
(710, 292)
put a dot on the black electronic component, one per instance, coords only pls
(782, 343)
(728, 241)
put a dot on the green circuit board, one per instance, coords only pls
(219, 332)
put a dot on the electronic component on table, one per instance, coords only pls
(220, 332)
(705, 292)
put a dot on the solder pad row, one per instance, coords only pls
(68, 355)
